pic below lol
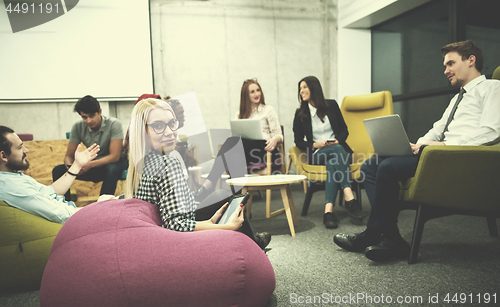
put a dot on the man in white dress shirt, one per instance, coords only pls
(472, 118)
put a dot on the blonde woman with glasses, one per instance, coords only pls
(157, 178)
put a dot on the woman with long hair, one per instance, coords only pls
(252, 106)
(320, 130)
(156, 177)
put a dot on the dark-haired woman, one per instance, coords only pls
(320, 130)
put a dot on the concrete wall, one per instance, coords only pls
(211, 47)
(45, 120)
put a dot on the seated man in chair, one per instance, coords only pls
(23, 192)
(471, 118)
(107, 132)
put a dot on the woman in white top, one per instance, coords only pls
(252, 106)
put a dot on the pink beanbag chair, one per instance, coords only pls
(115, 253)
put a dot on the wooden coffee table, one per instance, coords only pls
(272, 182)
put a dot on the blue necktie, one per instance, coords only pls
(450, 118)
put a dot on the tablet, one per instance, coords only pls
(234, 203)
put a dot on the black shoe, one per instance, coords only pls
(201, 193)
(357, 242)
(262, 239)
(354, 209)
(330, 220)
(388, 249)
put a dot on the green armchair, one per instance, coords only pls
(496, 73)
(453, 180)
(25, 244)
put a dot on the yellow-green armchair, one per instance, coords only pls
(25, 243)
(453, 180)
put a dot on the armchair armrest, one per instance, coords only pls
(457, 177)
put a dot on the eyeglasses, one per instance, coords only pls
(159, 126)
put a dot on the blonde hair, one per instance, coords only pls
(139, 141)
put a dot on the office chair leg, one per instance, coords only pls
(492, 226)
(307, 200)
(358, 193)
(418, 229)
(311, 188)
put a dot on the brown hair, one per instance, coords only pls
(245, 103)
(465, 49)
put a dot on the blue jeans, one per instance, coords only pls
(109, 174)
(381, 181)
(337, 162)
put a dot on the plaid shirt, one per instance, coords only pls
(163, 184)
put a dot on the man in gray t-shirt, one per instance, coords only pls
(107, 132)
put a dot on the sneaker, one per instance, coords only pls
(330, 220)
(354, 209)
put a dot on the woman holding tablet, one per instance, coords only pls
(320, 130)
(252, 106)
(156, 177)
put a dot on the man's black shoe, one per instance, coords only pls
(354, 209)
(330, 220)
(357, 242)
(388, 249)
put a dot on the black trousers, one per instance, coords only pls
(210, 205)
(109, 174)
(381, 181)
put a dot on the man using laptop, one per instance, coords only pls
(470, 119)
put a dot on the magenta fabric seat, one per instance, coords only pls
(25, 136)
(255, 167)
(115, 253)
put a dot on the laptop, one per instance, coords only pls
(388, 136)
(248, 128)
